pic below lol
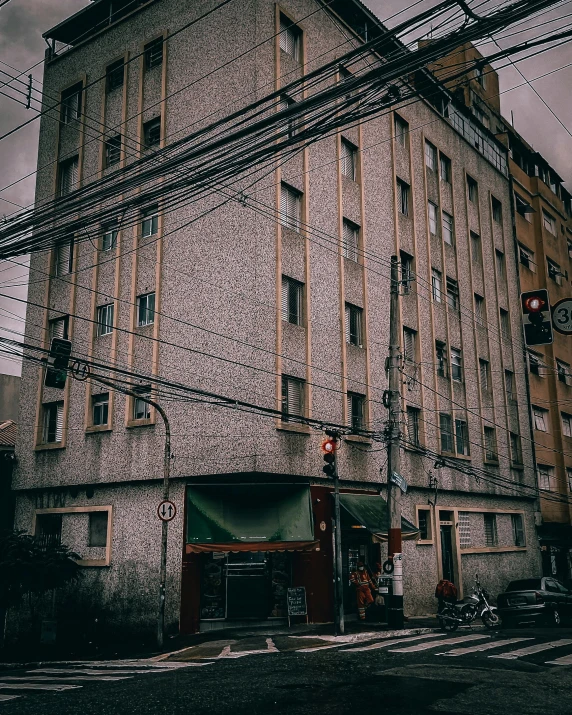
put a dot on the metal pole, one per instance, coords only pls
(338, 585)
(394, 553)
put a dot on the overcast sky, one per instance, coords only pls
(22, 47)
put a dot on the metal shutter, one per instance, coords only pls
(350, 242)
(350, 415)
(347, 323)
(348, 160)
(63, 258)
(289, 39)
(484, 375)
(408, 345)
(295, 397)
(59, 421)
(285, 298)
(413, 425)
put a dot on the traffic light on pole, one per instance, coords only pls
(57, 371)
(536, 317)
(329, 448)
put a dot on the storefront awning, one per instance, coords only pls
(249, 517)
(372, 512)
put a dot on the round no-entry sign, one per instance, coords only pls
(166, 511)
(562, 316)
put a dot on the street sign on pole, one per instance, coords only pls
(396, 478)
(166, 511)
(562, 316)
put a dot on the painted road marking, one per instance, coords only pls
(483, 646)
(435, 644)
(394, 641)
(87, 671)
(141, 665)
(70, 676)
(531, 649)
(38, 686)
(3, 698)
(565, 660)
(226, 652)
(340, 641)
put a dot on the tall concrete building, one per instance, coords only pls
(284, 307)
(543, 233)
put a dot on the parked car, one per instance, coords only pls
(535, 599)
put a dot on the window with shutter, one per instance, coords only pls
(154, 53)
(406, 261)
(64, 257)
(356, 410)
(409, 344)
(484, 376)
(53, 422)
(476, 247)
(350, 242)
(114, 75)
(348, 160)
(402, 197)
(479, 309)
(505, 324)
(491, 535)
(491, 454)
(290, 207)
(152, 132)
(292, 397)
(413, 426)
(68, 175)
(353, 325)
(71, 103)
(290, 35)
(509, 386)
(113, 150)
(517, 530)
(292, 306)
(446, 429)
(59, 328)
(515, 448)
(465, 541)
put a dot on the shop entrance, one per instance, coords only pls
(447, 538)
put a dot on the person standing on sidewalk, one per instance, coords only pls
(364, 586)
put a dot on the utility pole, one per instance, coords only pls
(394, 553)
(330, 447)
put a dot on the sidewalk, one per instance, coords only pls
(15, 657)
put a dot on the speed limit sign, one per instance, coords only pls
(562, 316)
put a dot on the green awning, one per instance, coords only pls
(372, 512)
(229, 515)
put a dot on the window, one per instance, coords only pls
(491, 454)
(413, 426)
(350, 241)
(48, 530)
(515, 448)
(292, 301)
(534, 362)
(509, 386)
(491, 535)
(98, 521)
(146, 309)
(545, 477)
(436, 285)
(114, 75)
(540, 418)
(523, 208)
(441, 355)
(452, 293)
(290, 36)
(109, 236)
(497, 210)
(68, 175)
(566, 424)
(64, 257)
(479, 309)
(105, 319)
(484, 376)
(353, 325)
(446, 429)
(526, 258)
(432, 212)
(100, 409)
(154, 53)
(554, 272)
(356, 410)
(409, 339)
(53, 422)
(150, 221)
(465, 541)
(71, 103)
(481, 77)
(569, 475)
(152, 132)
(290, 207)
(141, 408)
(402, 197)
(499, 256)
(58, 328)
(569, 244)
(292, 397)
(504, 323)
(476, 247)
(424, 524)
(113, 150)
(430, 156)
(349, 160)
(549, 222)
(462, 435)
(472, 190)
(284, 103)
(445, 168)
(447, 228)
(401, 130)
(406, 261)
(456, 364)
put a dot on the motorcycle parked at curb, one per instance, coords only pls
(463, 613)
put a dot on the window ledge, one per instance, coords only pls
(425, 542)
(293, 427)
(140, 423)
(491, 462)
(518, 466)
(492, 549)
(49, 445)
(97, 428)
(358, 438)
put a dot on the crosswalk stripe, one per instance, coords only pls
(3, 698)
(483, 646)
(89, 671)
(70, 676)
(565, 660)
(434, 644)
(37, 686)
(393, 641)
(531, 649)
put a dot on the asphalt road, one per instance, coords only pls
(473, 672)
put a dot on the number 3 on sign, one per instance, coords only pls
(562, 316)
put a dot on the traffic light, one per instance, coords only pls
(329, 448)
(57, 372)
(536, 317)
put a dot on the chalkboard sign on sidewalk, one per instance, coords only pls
(297, 602)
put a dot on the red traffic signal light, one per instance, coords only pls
(329, 447)
(536, 317)
(534, 303)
